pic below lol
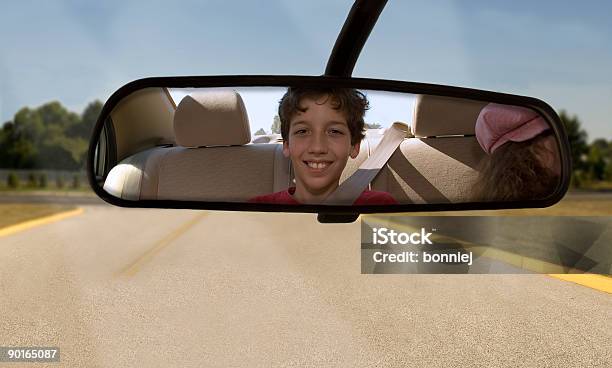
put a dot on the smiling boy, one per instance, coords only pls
(321, 129)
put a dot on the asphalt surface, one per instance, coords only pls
(158, 288)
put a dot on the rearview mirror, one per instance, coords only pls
(322, 144)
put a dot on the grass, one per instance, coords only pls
(14, 213)
(50, 188)
(598, 185)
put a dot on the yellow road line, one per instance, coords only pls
(135, 266)
(38, 222)
(598, 282)
(594, 281)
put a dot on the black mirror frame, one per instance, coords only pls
(333, 213)
(353, 36)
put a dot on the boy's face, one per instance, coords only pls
(319, 146)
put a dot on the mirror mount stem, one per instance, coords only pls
(353, 36)
(337, 218)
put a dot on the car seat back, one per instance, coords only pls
(439, 163)
(213, 162)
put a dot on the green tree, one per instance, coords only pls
(12, 180)
(578, 145)
(48, 136)
(600, 159)
(59, 181)
(57, 149)
(17, 149)
(22, 138)
(602, 144)
(31, 180)
(4, 143)
(42, 180)
(276, 125)
(372, 126)
(28, 125)
(608, 171)
(595, 163)
(76, 182)
(87, 121)
(260, 132)
(53, 113)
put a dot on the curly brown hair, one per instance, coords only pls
(351, 102)
(515, 172)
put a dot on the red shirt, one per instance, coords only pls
(367, 197)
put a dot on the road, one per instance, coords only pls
(117, 287)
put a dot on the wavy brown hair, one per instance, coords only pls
(348, 100)
(515, 172)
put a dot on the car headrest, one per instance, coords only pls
(210, 118)
(438, 115)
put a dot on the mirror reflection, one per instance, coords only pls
(326, 146)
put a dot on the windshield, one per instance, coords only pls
(556, 51)
(106, 286)
(76, 52)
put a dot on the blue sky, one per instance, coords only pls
(78, 51)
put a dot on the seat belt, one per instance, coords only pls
(348, 192)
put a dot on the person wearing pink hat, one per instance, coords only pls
(522, 155)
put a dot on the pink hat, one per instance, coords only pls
(498, 124)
